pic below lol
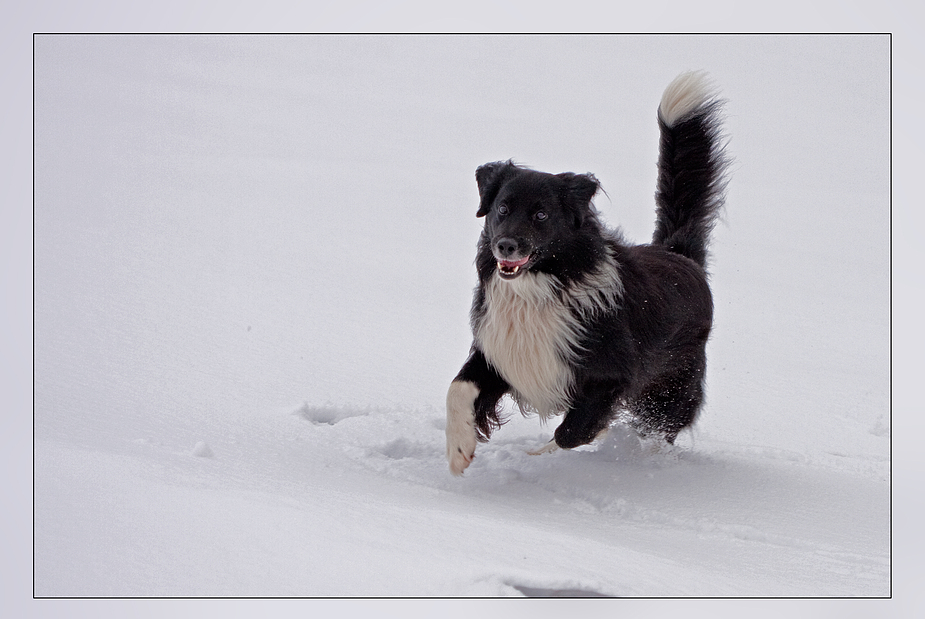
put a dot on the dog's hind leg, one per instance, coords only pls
(471, 410)
(671, 403)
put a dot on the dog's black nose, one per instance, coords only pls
(506, 247)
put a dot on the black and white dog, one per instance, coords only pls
(569, 318)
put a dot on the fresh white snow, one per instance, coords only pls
(253, 269)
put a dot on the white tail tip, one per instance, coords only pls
(685, 94)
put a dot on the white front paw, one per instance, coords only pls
(459, 454)
(460, 425)
(548, 448)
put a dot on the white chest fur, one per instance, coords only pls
(529, 335)
(532, 329)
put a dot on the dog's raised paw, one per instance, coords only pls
(460, 461)
(460, 425)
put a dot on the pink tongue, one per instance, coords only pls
(509, 264)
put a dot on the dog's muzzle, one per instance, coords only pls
(507, 253)
(510, 269)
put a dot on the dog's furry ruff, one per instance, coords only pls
(569, 318)
(537, 362)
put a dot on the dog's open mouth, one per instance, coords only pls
(509, 269)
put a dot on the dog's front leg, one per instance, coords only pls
(589, 415)
(471, 410)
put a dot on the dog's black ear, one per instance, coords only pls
(488, 177)
(578, 189)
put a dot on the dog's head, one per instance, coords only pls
(529, 214)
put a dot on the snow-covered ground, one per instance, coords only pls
(253, 269)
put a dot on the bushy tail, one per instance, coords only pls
(691, 166)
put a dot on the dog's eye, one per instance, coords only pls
(541, 215)
(503, 209)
